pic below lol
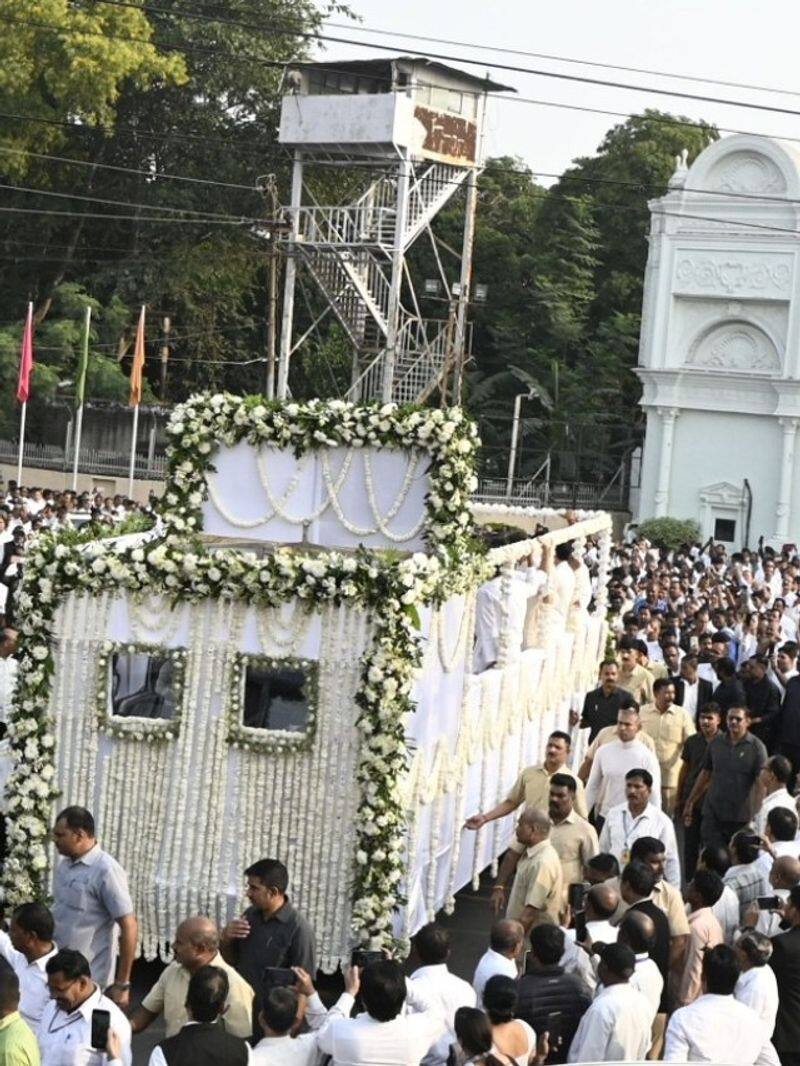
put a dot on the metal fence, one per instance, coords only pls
(92, 460)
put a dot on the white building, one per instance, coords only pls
(719, 357)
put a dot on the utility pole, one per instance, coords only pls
(274, 226)
(166, 328)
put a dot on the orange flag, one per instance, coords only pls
(138, 363)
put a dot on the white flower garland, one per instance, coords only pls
(200, 425)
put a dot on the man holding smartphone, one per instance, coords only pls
(79, 1020)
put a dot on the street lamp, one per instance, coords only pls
(512, 458)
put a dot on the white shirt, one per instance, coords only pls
(758, 989)
(403, 1041)
(606, 786)
(34, 994)
(300, 1050)
(689, 701)
(615, 1028)
(780, 847)
(779, 798)
(491, 963)
(726, 911)
(600, 932)
(718, 1029)
(648, 980)
(490, 614)
(65, 1039)
(446, 993)
(622, 828)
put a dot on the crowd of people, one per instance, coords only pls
(26, 511)
(648, 908)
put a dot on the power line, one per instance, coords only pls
(511, 68)
(202, 215)
(359, 28)
(128, 218)
(155, 175)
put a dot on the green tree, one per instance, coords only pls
(63, 60)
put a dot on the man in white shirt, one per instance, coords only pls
(780, 839)
(29, 946)
(384, 1033)
(757, 987)
(637, 932)
(65, 1029)
(717, 1027)
(440, 987)
(8, 672)
(505, 947)
(637, 817)
(747, 876)
(283, 1011)
(602, 902)
(606, 786)
(774, 777)
(785, 666)
(491, 614)
(616, 1027)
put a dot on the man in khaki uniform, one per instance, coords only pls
(538, 888)
(633, 677)
(532, 787)
(669, 726)
(573, 837)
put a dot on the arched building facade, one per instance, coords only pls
(719, 356)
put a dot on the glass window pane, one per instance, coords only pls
(276, 698)
(142, 686)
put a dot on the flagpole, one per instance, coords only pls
(21, 442)
(79, 419)
(136, 393)
(23, 385)
(133, 450)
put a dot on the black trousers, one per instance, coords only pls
(714, 830)
(692, 839)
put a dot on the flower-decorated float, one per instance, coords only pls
(284, 667)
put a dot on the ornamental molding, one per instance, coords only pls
(734, 345)
(747, 172)
(722, 494)
(762, 275)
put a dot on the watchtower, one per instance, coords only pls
(409, 134)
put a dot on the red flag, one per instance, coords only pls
(26, 359)
(138, 364)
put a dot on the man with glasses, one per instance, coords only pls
(732, 764)
(65, 1031)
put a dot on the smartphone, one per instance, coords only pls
(768, 903)
(753, 840)
(576, 895)
(554, 1026)
(279, 977)
(101, 1021)
(361, 957)
(580, 926)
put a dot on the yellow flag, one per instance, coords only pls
(138, 363)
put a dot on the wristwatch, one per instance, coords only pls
(124, 985)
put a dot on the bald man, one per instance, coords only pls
(538, 887)
(196, 944)
(783, 876)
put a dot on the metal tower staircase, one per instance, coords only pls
(352, 253)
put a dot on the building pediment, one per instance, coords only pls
(722, 494)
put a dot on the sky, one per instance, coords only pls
(731, 40)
